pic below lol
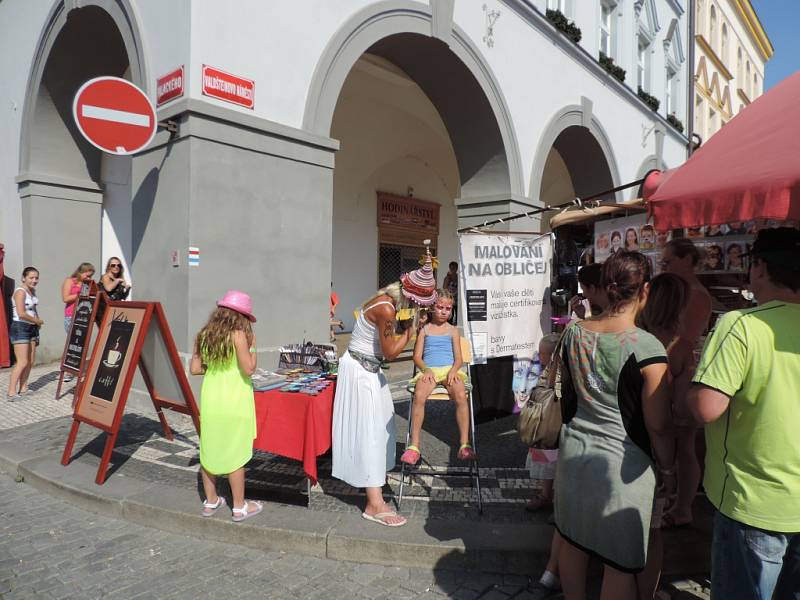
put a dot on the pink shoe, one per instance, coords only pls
(209, 508)
(411, 456)
(465, 452)
(250, 509)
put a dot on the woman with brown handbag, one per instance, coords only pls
(616, 411)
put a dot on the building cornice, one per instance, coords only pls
(750, 18)
(713, 57)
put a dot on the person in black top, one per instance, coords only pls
(113, 280)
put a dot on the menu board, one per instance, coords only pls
(79, 334)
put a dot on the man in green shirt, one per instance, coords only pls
(747, 391)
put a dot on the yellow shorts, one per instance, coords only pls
(439, 374)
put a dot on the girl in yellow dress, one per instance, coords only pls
(225, 353)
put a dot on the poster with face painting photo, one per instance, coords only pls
(625, 233)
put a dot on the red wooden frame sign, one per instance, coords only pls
(92, 294)
(101, 396)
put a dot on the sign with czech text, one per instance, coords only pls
(114, 115)
(505, 286)
(170, 86)
(230, 88)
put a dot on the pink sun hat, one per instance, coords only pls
(238, 301)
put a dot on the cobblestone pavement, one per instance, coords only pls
(49, 549)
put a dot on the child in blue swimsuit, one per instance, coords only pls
(437, 355)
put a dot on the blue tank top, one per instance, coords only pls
(438, 351)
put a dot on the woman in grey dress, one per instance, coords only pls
(616, 433)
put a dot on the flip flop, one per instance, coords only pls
(380, 518)
(209, 508)
(240, 514)
(411, 456)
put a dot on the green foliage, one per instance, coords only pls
(675, 122)
(651, 101)
(564, 25)
(608, 64)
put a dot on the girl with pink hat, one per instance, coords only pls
(225, 353)
(363, 411)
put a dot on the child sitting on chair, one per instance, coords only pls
(437, 355)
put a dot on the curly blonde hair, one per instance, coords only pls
(214, 342)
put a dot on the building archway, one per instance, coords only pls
(464, 153)
(449, 68)
(574, 158)
(419, 119)
(74, 200)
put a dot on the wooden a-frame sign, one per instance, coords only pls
(79, 336)
(127, 339)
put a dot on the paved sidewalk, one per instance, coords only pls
(154, 482)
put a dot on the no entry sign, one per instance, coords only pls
(114, 115)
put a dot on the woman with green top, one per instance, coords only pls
(225, 353)
(616, 410)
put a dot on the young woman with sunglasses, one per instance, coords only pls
(113, 280)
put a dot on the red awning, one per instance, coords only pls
(750, 169)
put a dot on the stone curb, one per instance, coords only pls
(451, 544)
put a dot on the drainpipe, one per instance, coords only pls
(690, 78)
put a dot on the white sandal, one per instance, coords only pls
(240, 514)
(209, 508)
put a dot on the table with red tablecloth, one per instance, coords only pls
(295, 425)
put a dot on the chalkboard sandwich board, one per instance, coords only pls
(79, 336)
(131, 334)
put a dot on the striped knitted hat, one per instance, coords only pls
(419, 285)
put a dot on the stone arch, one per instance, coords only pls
(123, 15)
(68, 189)
(399, 30)
(574, 124)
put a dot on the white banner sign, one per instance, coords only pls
(505, 293)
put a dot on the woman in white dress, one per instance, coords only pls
(363, 411)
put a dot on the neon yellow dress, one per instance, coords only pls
(227, 418)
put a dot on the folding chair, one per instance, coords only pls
(440, 393)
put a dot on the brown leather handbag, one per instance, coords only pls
(540, 420)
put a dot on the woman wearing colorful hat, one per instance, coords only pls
(225, 353)
(363, 411)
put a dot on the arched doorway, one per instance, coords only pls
(574, 161)
(75, 202)
(420, 119)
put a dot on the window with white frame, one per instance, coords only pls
(712, 28)
(670, 92)
(739, 72)
(699, 114)
(607, 28)
(724, 47)
(559, 5)
(642, 64)
(746, 82)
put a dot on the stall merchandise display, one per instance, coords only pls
(264, 380)
(305, 383)
(307, 356)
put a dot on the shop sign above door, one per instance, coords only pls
(170, 86)
(230, 88)
(407, 212)
(114, 115)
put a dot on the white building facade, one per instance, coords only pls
(373, 126)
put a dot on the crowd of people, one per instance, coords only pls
(26, 323)
(637, 385)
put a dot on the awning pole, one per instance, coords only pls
(575, 202)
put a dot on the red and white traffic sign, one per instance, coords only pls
(114, 115)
